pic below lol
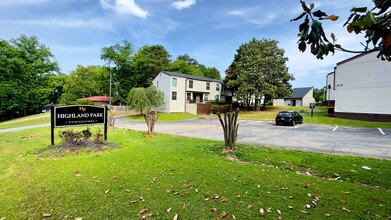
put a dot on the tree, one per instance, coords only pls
(143, 100)
(187, 65)
(85, 82)
(119, 60)
(24, 64)
(149, 61)
(258, 70)
(319, 94)
(374, 22)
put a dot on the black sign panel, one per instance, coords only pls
(79, 115)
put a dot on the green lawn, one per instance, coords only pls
(319, 117)
(189, 177)
(29, 120)
(165, 117)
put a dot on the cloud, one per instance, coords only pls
(125, 7)
(183, 4)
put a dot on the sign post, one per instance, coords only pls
(77, 115)
(312, 107)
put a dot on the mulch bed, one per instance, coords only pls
(81, 145)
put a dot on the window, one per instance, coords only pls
(207, 86)
(217, 97)
(217, 87)
(157, 84)
(188, 96)
(206, 98)
(191, 84)
(174, 82)
(173, 96)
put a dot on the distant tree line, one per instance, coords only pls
(30, 77)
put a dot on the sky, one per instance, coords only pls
(209, 31)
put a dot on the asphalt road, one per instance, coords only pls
(369, 142)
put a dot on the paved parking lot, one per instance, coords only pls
(370, 142)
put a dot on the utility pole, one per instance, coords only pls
(110, 90)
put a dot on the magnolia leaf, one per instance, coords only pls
(308, 206)
(319, 14)
(328, 215)
(185, 205)
(127, 190)
(332, 17)
(213, 210)
(169, 209)
(262, 211)
(250, 206)
(114, 177)
(279, 212)
(309, 194)
(46, 215)
(299, 17)
(196, 190)
(142, 199)
(78, 218)
(345, 209)
(107, 191)
(233, 217)
(269, 209)
(223, 214)
(175, 217)
(305, 8)
(312, 6)
(332, 35)
(133, 201)
(290, 207)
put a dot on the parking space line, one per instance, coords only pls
(335, 128)
(299, 126)
(381, 131)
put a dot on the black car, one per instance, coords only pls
(289, 118)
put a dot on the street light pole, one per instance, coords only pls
(110, 90)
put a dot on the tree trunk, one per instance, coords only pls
(230, 128)
(150, 119)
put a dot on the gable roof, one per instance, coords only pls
(299, 93)
(191, 77)
(97, 98)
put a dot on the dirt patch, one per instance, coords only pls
(81, 145)
(235, 159)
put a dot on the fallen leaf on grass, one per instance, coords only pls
(290, 207)
(185, 194)
(46, 215)
(142, 211)
(146, 215)
(169, 209)
(262, 211)
(223, 214)
(185, 205)
(114, 177)
(78, 218)
(133, 201)
(233, 217)
(249, 206)
(213, 210)
(345, 209)
(107, 191)
(175, 217)
(196, 190)
(305, 212)
(308, 206)
(269, 209)
(328, 215)
(279, 212)
(127, 190)
(223, 199)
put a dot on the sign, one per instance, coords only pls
(77, 115)
(312, 105)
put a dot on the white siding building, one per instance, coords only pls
(361, 88)
(182, 91)
(300, 97)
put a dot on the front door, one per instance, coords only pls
(293, 102)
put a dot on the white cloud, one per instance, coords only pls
(183, 4)
(125, 7)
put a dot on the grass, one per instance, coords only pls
(165, 117)
(319, 117)
(29, 120)
(190, 176)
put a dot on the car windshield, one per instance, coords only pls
(282, 114)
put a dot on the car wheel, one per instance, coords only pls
(293, 123)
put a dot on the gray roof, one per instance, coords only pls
(191, 77)
(299, 93)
